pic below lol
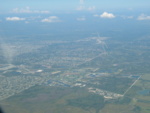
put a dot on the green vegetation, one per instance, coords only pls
(88, 102)
(40, 99)
(78, 76)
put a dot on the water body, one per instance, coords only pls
(144, 92)
(135, 77)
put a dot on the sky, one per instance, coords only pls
(104, 9)
(71, 19)
(70, 5)
(23, 17)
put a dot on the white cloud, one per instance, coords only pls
(107, 15)
(34, 17)
(51, 19)
(14, 18)
(80, 8)
(127, 17)
(81, 19)
(46, 12)
(91, 8)
(130, 9)
(96, 15)
(27, 22)
(28, 10)
(81, 1)
(130, 17)
(143, 17)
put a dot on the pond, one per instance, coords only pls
(144, 92)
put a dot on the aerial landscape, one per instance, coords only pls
(75, 56)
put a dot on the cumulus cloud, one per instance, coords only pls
(127, 17)
(80, 8)
(81, 1)
(107, 15)
(130, 17)
(83, 8)
(35, 17)
(27, 22)
(14, 19)
(96, 15)
(51, 19)
(143, 17)
(81, 19)
(91, 8)
(28, 10)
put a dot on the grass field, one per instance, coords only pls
(44, 99)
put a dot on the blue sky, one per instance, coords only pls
(61, 5)
(97, 9)
(78, 15)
